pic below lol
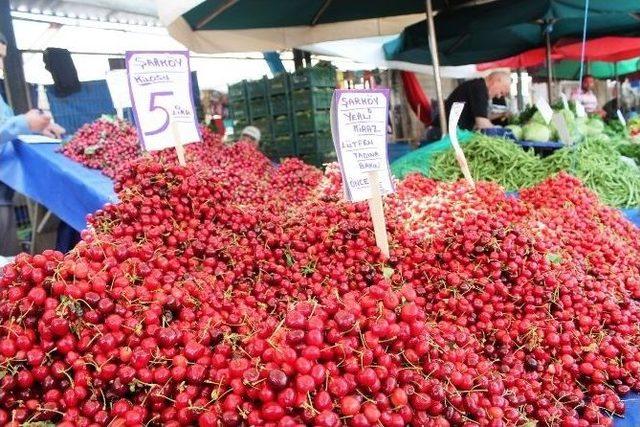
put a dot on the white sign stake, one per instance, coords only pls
(580, 111)
(565, 101)
(621, 118)
(359, 130)
(543, 106)
(454, 116)
(178, 143)
(563, 130)
(377, 214)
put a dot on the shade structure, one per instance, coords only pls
(607, 49)
(530, 58)
(504, 28)
(570, 70)
(257, 25)
(369, 51)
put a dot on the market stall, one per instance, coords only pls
(493, 280)
(68, 189)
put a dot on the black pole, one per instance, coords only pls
(547, 38)
(15, 84)
(298, 58)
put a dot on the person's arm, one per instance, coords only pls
(12, 127)
(482, 123)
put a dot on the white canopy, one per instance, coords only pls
(368, 51)
(264, 39)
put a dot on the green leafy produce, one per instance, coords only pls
(534, 131)
(491, 159)
(598, 164)
(515, 130)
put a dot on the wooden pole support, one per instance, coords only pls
(377, 214)
(178, 143)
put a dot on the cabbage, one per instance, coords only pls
(569, 118)
(537, 132)
(595, 126)
(515, 130)
(537, 118)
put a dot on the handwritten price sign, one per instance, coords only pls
(359, 125)
(160, 89)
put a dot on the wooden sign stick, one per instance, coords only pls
(377, 214)
(177, 142)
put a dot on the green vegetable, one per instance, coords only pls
(491, 159)
(534, 131)
(597, 162)
(515, 130)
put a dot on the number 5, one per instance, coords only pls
(153, 107)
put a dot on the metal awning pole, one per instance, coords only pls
(618, 86)
(520, 95)
(547, 38)
(13, 72)
(435, 60)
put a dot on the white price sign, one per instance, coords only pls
(162, 100)
(580, 111)
(119, 89)
(543, 106)
(359, 127)
(565, 101)
(621, 118)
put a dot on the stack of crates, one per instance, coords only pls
(238, 106)
(281, 118)
(259, 110)
(291, 111)
(311, 94)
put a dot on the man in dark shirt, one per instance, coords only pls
(476, 94)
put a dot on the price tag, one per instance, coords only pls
(543, 106)
(580, 111)
(621, 118)
(161, 96)
(359, 128)
(563, 131)
(454, 117)
(119, 89)
(565, 101)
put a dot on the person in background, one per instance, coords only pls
(33, 121)
(250, 134)
(586, 96)
(476, 95)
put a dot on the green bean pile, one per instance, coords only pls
(596, 161)
(491, 159)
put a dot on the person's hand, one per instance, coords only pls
(54, 130)
(37, 120)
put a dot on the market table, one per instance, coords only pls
(66, 188)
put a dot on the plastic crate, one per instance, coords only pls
(238, 91)
(318, 76)
(279, 85)
(259, 108)
(240, 114)
(315, 98)
(257, 88)
(75, 110)
(312, 121)
(282, 126)
(281, 146)
(280, 105)
(308, 143)
(264, 124)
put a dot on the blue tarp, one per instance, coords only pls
(631, 413)
(68, 189)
